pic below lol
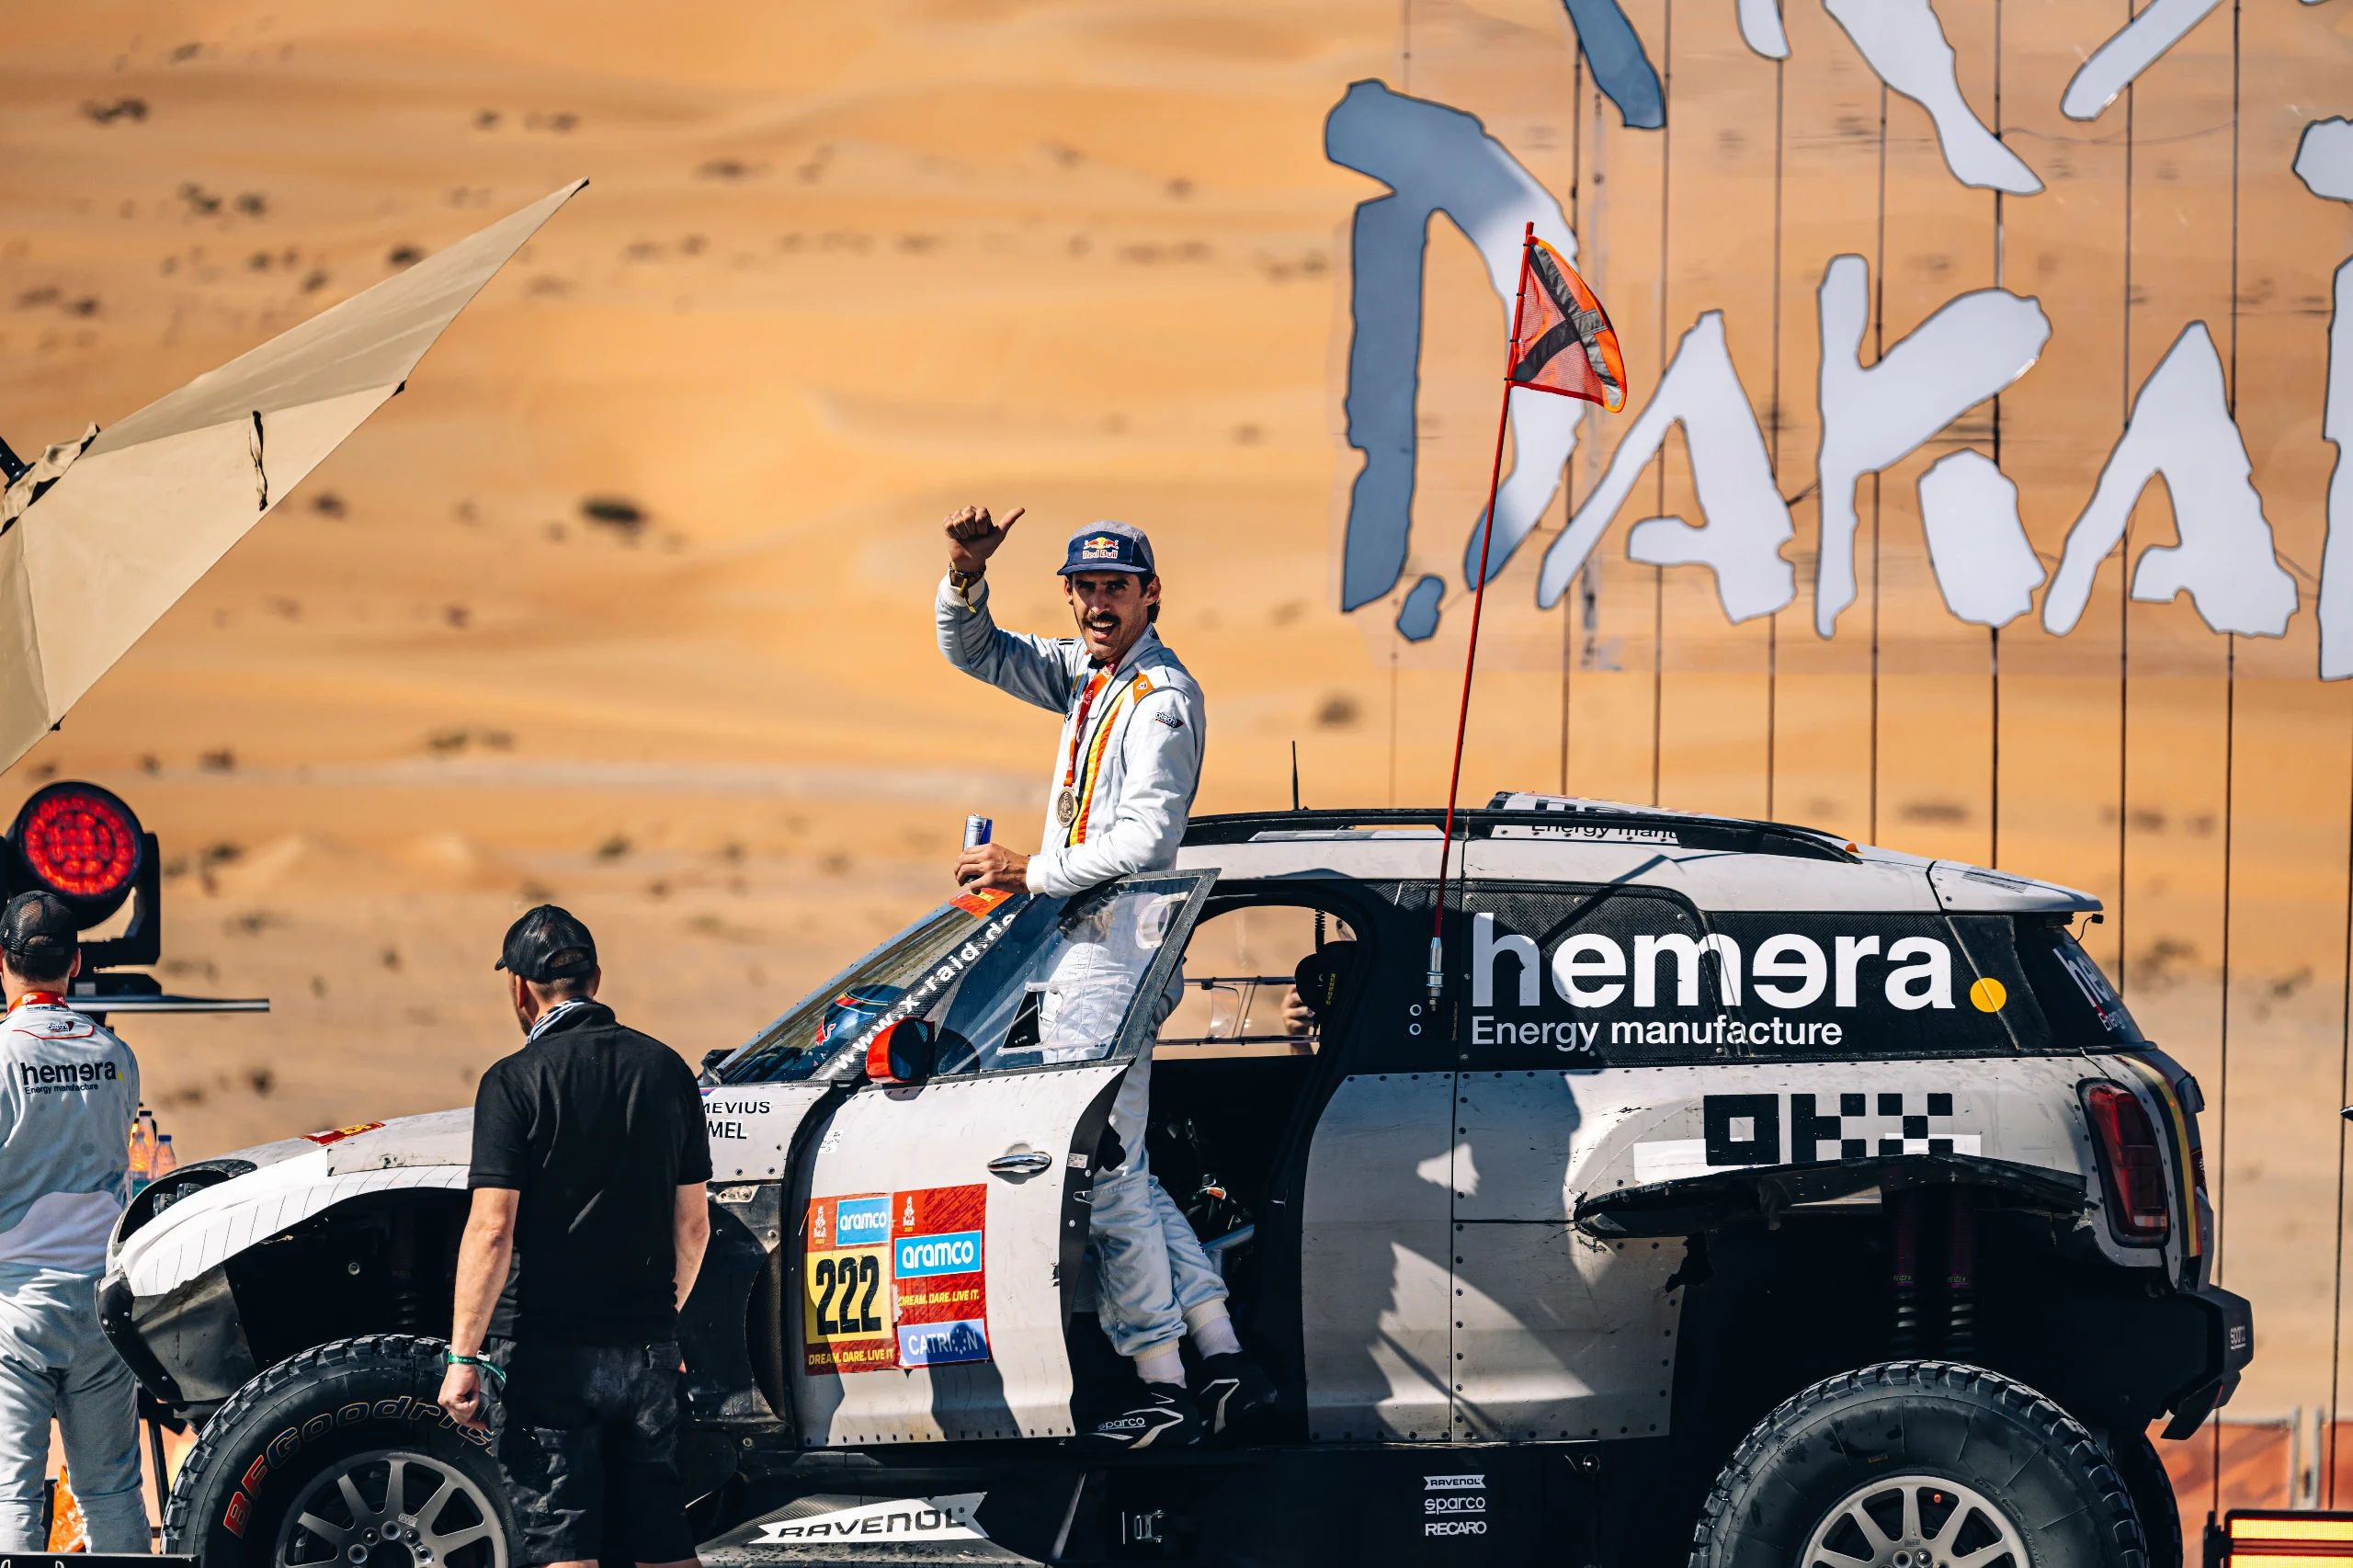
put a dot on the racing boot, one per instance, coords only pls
(1162, 1415)
(1233, 1389)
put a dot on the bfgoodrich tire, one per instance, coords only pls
(340, 1458)
(1909, 1462)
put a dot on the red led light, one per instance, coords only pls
(83, 845)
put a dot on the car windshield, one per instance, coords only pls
(1012, 981)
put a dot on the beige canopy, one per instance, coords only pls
(102, 535)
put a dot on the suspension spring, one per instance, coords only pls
(1961, 1274)
(1904, 1336)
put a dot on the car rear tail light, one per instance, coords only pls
(2132, 1166)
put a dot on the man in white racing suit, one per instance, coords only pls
(1125, 772)
(69, 1092)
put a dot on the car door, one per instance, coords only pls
(1562, 998)
(942, 1222)
(756, 1102)
(1375, 1242)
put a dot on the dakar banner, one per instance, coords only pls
(1802, 388)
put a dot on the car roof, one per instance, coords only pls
(1729, 864)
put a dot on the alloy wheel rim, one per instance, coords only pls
(1915, 1521)
(392, 1508)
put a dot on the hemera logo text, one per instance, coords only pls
(1590, 969)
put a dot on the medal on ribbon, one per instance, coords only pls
(1065, 807)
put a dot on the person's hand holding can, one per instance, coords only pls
(992, 866)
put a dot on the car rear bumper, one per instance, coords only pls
(2230, 1328)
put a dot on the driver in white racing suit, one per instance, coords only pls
(69, 1092)
(1125, 772)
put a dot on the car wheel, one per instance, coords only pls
(1912, 1463)
(2143, 1473)
(340, 1455)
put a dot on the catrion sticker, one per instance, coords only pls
(941, 1343)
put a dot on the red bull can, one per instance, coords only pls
(977, 831)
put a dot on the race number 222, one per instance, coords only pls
(842, 1291)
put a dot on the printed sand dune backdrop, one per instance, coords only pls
(625, 600)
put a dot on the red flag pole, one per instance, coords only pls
(1478, 603)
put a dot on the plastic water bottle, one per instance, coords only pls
(165, 1161)
(142, 1152)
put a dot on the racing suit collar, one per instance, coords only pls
(37, 999)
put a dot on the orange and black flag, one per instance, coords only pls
(1565, 342)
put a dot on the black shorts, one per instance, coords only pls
(588, 1438)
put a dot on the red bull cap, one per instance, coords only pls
(1109, 547)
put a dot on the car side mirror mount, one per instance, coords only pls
(708, 1077)
(902, 1052)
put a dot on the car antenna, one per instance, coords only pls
(1294, 776)
(1581, 325)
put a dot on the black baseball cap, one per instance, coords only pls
(41, 932)
(546, 944)
(1108, 547)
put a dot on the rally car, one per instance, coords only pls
(1740, 1193)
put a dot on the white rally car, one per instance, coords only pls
(1743, 1194)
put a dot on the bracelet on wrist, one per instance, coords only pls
(498, 1375)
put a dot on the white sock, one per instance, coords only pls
(1211, 1327)
(1161, 1365)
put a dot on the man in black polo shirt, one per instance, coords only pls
(589, 1160)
